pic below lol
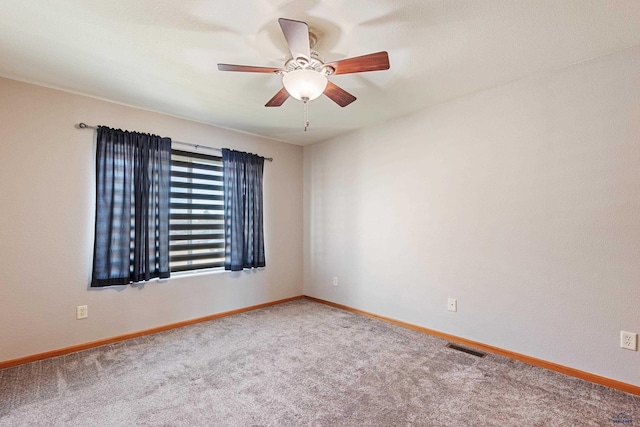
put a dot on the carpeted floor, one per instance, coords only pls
(298, 364)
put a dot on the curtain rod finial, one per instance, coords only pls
(82, 125)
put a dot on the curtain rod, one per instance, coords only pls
(196, 146)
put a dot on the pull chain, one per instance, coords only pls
(306, 113)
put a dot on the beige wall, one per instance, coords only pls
(46, 226)
(523, 202)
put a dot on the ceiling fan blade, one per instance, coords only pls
(297, 35)
(360, 64)
(278, 98)
(338, 95)
(247, 68)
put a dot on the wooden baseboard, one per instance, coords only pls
(597, 379)
(98, 343)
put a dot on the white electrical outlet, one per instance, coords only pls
(452, 304)
(82, 312)
(629, 340)
(335, 281)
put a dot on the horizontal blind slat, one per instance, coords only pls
(196, 206)
(192, 175)
(194, 165)
(196, 196)
(198, 256)
(194, 186)
(210, 236)
(196, 246)
(198, 226)
(195, 217)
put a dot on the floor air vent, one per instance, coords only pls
(466, 350)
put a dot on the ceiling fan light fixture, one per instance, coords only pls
(304, 85)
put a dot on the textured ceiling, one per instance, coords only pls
(161, 55)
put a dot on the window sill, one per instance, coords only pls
(191, 273)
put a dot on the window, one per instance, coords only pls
(197, 212)
(161, 211)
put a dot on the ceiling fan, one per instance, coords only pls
(304, 74)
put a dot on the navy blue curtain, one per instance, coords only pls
(133, 173)
(244, 235)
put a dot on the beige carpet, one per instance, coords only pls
(298, 364)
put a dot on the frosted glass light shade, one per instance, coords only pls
(304, 84)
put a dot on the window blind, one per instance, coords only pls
(196, 223)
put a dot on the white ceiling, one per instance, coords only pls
(161, 55)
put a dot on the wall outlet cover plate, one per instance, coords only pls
(629, 340)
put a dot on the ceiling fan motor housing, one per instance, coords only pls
(315, 62)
